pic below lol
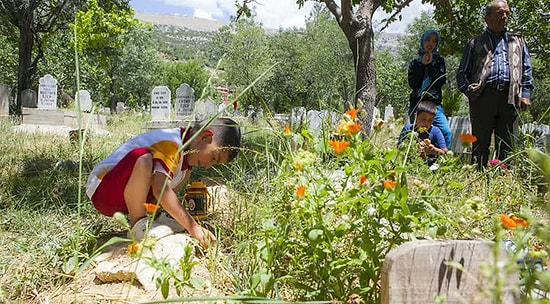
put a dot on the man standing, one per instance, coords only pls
(495, 75)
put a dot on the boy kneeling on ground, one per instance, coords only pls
(431, 142)
(154, 166)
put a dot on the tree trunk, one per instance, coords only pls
(26, 41)
(365, 77)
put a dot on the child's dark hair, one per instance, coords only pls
(227, 134)
(427, 107)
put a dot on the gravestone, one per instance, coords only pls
(388, 113)
(298, 117)
(538, 134)
(29, 98)
(421, 271)
(314, 121)
(317, 119)
(47, 92)
(251, 114)
(459, 125)
(83, 97)
(120, 107)
(185, 101)
(205, 109)
(160, 103)
(4, 101)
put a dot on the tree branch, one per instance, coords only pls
(398, 7)
(334, 9)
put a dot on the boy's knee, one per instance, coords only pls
(144, 161)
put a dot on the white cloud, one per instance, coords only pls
(282, 13)
(285, 13)
(408, 14)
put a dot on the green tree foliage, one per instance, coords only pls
(327, 64)
(286, 87)
(100, 31)
(191, 72)
(137, 68)
(246, 57)
(391, 83)
(31, 19)
(8, 73)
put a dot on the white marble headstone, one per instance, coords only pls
(83, 97)
(4, 100)
(160, 103)
(185, 101)
(47, 92)
(206, 109)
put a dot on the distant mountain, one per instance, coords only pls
(183, 37)
(182, 21)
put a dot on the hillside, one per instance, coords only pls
(183, 37)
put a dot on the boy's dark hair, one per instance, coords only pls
(427, 107)
(227, 134)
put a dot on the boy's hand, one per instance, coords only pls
(203, 235)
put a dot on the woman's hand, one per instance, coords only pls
(427, 58)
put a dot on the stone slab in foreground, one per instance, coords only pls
(420, 271)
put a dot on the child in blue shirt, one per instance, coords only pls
(431, 142)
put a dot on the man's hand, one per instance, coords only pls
(524, 103)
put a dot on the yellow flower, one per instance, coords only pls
(150, 208)
(339, 145)
(300, 191)
(133, 249)
(298, 165)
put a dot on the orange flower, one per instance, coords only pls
(362, 179)
(300, 191)
(467, 138)
(352, 113)
(133, 249)
(339, 145)
(521, 222)
(287, 130)
(354, 128)
(389, 184)
(507, 222)
(150, 208)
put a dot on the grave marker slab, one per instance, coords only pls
(185, 101)
(298, 117)
(4, 100)
(29, 98)
(47, 92)
(83, 97)
(160, 103)
(388, 113)
(458, 125)
(206, 109)
(419, 271)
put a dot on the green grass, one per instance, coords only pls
(271, 239)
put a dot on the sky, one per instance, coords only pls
(271, 13)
